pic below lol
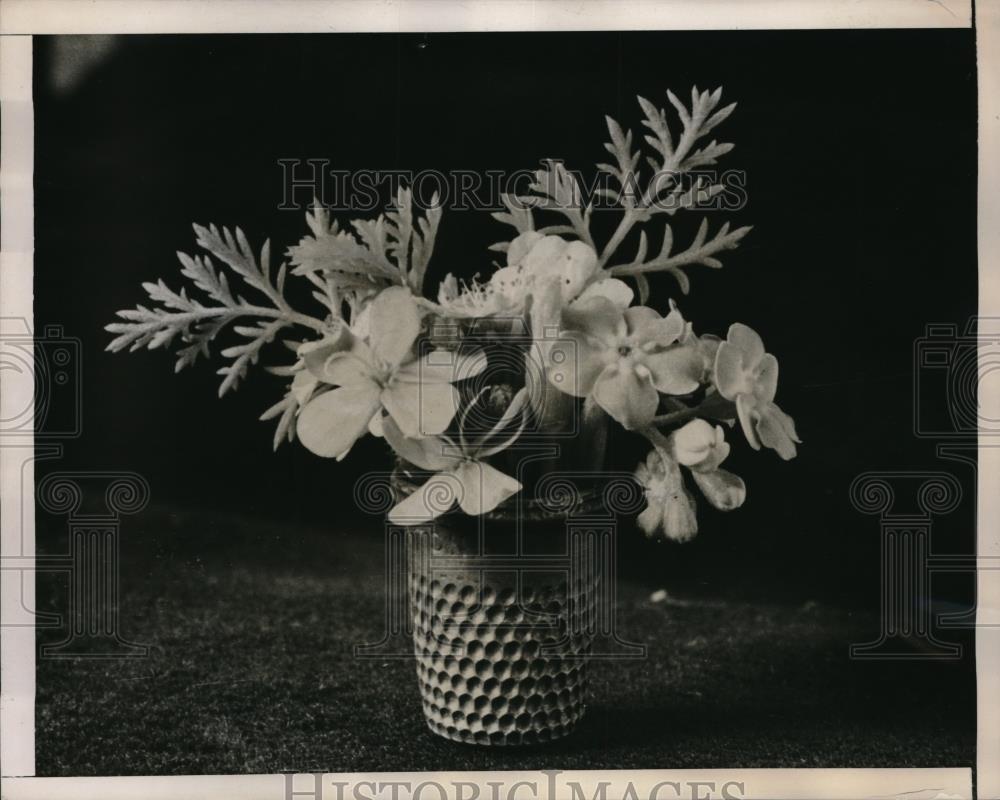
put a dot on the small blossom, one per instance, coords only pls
(623, 359)
(378, 374)
(534, 260)
(721, 488)
(749, 376)
(670, 509)
(702, 448)
(707, 346)
(313, 354)
(461, 474)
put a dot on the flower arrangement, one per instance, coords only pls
(557, 342)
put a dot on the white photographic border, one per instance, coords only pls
(19, 19)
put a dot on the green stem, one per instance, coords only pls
(657, 439)
(676, 416)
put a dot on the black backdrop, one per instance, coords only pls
(859, 152)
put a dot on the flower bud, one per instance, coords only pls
(700, 446)
(722, 489)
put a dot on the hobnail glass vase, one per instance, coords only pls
(503, 618)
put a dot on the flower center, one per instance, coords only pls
(383, 375)
(624, 350)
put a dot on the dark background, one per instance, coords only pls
(859, 151)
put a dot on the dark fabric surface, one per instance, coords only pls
(252, 625)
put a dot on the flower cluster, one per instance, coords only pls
(376, 364)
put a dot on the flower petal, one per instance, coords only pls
(395, 323)
(631, 400)
(675, 371)
(575, 267)
(700, 446)
(718, 454)
(442, 366)
(433, 453)
(680, 521)
(721, 488)
(545, 316)
(483, 487)
(730, 377)
(345, 369)
(361, 321)
(448, 289)
(693, 442)
(777, 431)
(613, 289)
(599, 317)
(574, 263)
(421, 409)
(650, 520)
(748, 341)
(575, 360)
(330, 424)
(746, 410)
(315, 354)
(543, 254)
(637, 317)
(662, 331)
(708, 347)
(788, 423)
(509, 286)
(487, 444)
(429, 502)
(521, 246)
(651, 470)
(303, 385)
(766, 385)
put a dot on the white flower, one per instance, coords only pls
(744, 372)
(702, 448)
(461, 474)
(623, 359)
(381, 373)
(699, 446)
(669, 506)
(533, 262)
